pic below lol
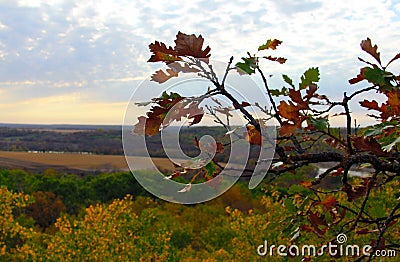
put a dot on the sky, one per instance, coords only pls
(79, 62)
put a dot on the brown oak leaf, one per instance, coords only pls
(191, 45)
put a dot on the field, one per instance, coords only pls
(74, 162)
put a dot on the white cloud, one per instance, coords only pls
(98, 46)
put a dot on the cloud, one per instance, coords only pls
(100, 48)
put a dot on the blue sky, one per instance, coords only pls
(80, 61)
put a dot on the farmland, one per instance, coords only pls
(75, 163)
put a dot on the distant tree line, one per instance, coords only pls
(109, 141)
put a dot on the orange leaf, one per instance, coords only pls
(329, 202)
(163, 57)
(371, 105)
(394, 101)
(253, 135)
(270, 44)
(306, 184)
(287, 129)
(289, 111)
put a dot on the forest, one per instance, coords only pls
(110, 217)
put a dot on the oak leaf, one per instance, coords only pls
(162, 53)
(363, 143)
(177, 67)
(295, 95)
(306, 184)
(287, 129)
(253, 136)
(354, 192)
(329, 202)
(289, 111)
(280, 60)
(366, 45)
(191, 45)
(160, 76)
(270, 44)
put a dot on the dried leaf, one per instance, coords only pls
(306, 184)
(289, 111)
(270, 44)
(363, 231)
(177, 67)
(296, 97)
(354, 192)
(316, 219)
(287, 129)
(394, 101)
(381, 245)
(280, 60)
(162, 54)
(368, 144)
(162, 57)
(312, 88)
(160, 76)
(329, 202)
(147, 126)
(319, 232)
(366, 45)
(191, 45)
(253, 135)
(196, 119)
(161, 47)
